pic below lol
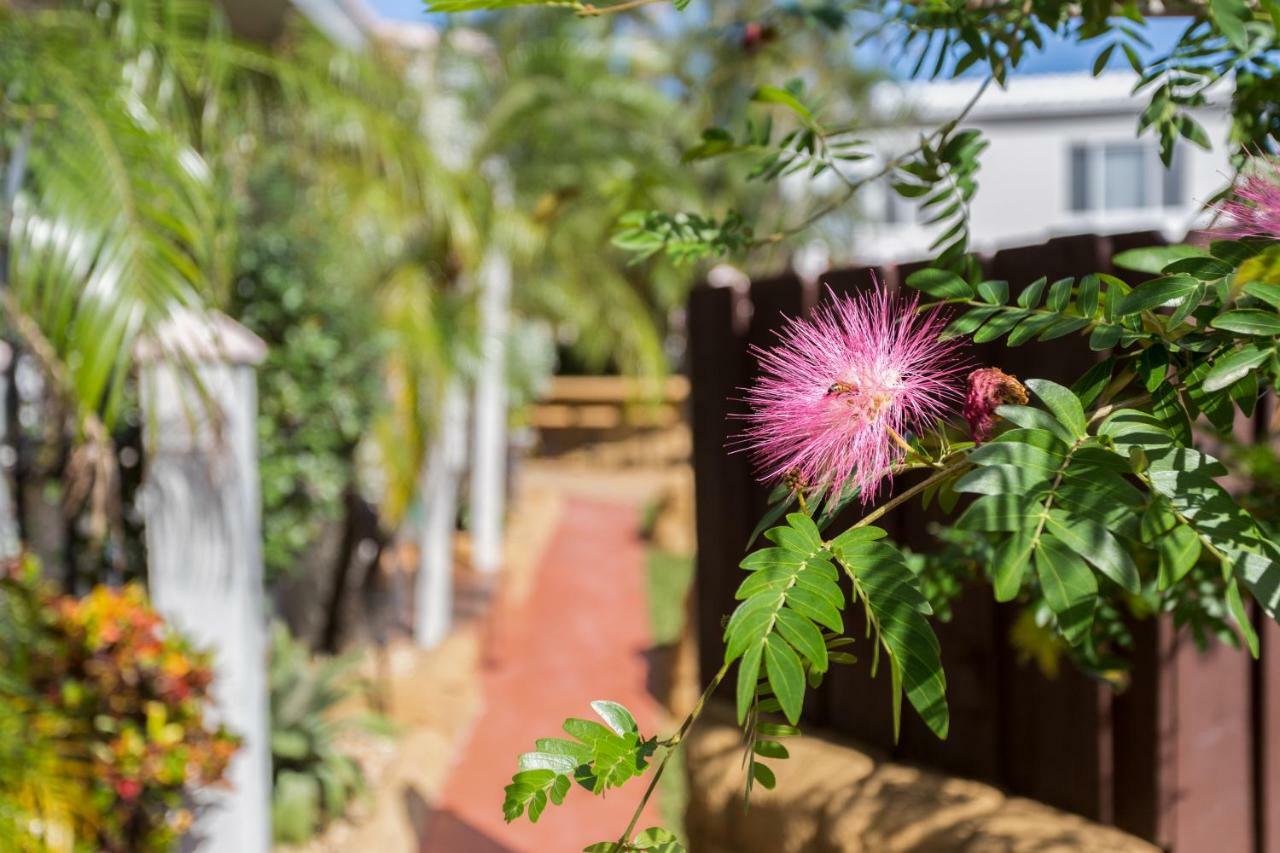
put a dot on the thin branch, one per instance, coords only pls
(672, 744)
(1103, 411)
(936, 477)
(590, 10)
(852, 187)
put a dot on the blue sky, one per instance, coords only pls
(1057, 57)
(399, 10)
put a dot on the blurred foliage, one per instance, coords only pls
(135, 138)
(102, 707)
(669, 578)
(314, 781)
(300, 290)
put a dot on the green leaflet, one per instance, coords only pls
(1001, 479)
(1153, 259)
(1261, 574)
(1248, 321)
(655, 839)
(804, 636)
(1069, 588)
(1012, 560)
(940, 283)
(1045, 456)
(1030, 418)
(897, 610)
(1178, 549)
(1235, 604)
(786, 675)
(1268, 293)
(600, 757)
(1157, 292)
(1064, 405)
(999, 513)
(1095, 544)
(748, 676)
(1232, 367)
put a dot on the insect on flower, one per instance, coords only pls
(1253, 210)
(840, 388)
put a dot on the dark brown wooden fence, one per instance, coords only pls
(1188, 756)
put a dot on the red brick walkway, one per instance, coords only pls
(581, 635)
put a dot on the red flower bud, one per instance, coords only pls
(989, 388)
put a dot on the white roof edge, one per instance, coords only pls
(1072, 93)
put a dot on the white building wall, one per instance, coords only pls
(1024, 193)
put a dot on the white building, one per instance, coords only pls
(1064, 158)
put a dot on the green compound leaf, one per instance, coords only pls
(897, 609)
(792, 589)
(600, 757)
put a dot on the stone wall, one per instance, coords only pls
(833, 798)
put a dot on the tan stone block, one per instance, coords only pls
(834, 798)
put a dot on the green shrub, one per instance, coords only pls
(313, 780)
(320, 385)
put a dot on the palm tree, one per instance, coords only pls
(126, 140)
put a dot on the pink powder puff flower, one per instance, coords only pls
(1254, 206)
(839, 389)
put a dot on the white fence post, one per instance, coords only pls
(489, 455)
(10, 544)
(204, 550)
(446, 456)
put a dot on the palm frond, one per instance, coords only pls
(107, 235)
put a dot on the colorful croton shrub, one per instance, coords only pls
(108, 704)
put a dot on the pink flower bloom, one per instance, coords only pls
(839, 385)
(1254, 206)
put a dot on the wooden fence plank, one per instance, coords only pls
(716, 361)
(1144, 725)
(1267, 754)
(1213, 749)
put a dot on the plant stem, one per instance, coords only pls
(672, 744)
(590, 10)
(1102, 411)
(900, 441)
(936, 477)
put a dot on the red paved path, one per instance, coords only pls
(581, 635)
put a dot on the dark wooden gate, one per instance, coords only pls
(1188, 756)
